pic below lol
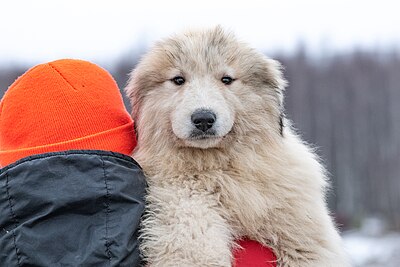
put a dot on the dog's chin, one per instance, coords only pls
(203, 142)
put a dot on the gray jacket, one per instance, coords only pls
(72, 208)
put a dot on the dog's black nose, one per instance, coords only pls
(203, 119)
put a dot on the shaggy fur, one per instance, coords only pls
(248, 178)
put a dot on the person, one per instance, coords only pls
(70, 193)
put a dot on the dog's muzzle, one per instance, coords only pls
(203, 120)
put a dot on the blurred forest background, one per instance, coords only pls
(348, 106)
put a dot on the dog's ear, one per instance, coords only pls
(273, 72)
(133, 93)
(130, 92)
(130, 87)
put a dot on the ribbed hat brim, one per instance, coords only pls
(120, 139)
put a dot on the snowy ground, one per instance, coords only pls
(368, 250)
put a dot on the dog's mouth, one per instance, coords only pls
(200, 135)
(204, 140)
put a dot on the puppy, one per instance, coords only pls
(222, 161)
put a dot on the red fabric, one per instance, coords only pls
(253, 254)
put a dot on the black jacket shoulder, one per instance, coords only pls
(72, 208)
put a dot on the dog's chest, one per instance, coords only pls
(240, 201)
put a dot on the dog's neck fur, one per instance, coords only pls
(185, 159)
(239, 153)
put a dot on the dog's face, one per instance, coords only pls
(202, 89)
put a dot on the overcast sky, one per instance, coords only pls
(32, 32)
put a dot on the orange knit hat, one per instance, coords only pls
(63, 105)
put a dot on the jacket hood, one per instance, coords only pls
(72, 208)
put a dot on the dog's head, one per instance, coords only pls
(203, 89)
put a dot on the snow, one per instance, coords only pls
(373, 250)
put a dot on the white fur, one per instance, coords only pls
(201, 94)
(248, 181)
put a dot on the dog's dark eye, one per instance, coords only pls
(178, 80)
(227, 80)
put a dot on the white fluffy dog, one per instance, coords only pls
(222, 162)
